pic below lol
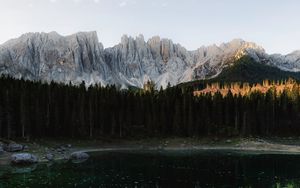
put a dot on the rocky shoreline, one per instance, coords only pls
(22, 154)
(19, 153)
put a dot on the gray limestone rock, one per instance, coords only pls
(23, 158)
(13, 147)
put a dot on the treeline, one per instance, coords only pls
(31, 109)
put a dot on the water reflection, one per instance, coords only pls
(162, 169)
(23, 169)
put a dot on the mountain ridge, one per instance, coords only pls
(81, 57)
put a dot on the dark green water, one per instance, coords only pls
(161, 169)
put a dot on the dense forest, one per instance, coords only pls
(32, 109)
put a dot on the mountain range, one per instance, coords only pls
(81, 57)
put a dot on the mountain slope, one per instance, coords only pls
(247, 69)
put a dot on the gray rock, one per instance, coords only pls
(13, 147)
(50, 157)
(23, 158)
(59, 150)
(78, 157)
(52, 57)
(62, 148)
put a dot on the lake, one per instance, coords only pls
(161, 169)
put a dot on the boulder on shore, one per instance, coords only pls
(23, 158)
(50, 157)
(13, 147)
(78, 157)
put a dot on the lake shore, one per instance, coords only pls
(252, 145)
(62, 148)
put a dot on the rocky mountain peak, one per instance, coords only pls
(80, 57)
(52, 57)
(250, 49)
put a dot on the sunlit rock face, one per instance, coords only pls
(132, 62)
(211, 60)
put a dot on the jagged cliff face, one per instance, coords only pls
(135, 61)
(80, 57)
(163, 62)
(41, 56)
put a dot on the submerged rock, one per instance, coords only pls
(23, 169)
(13, 147)
(23, 158)
(78, 157)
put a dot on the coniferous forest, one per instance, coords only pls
(32, 110)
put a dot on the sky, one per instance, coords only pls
(273, 24)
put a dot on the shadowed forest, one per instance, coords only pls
(32, 110)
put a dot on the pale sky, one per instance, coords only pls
(273, 24)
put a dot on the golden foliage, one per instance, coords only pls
(237, 88)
